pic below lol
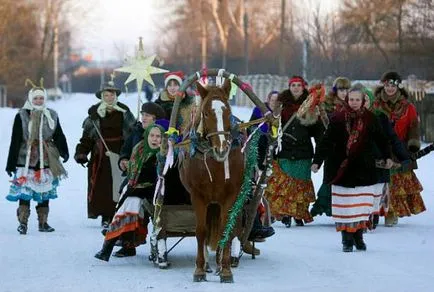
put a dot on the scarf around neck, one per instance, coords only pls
(141, 153)
(104, 106)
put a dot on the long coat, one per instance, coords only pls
(361, 166)
(115, 127)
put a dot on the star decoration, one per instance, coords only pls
(140, 68)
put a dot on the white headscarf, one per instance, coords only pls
(34, 92)
(102, 108)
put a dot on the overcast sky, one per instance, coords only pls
(111, 28)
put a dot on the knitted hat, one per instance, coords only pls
(341, 83)
(153, 109)
(177, 76)
(109, 86)
(391, 77)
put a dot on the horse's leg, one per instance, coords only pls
(225, 272)
(200, 210)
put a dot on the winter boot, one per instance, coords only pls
(374, 220)
(248, 249)
(287, 221)
(358, 240)
(106, 250)
(347, 241)
(389, 220)
(42, 219)
(125, 252)
(23, 214)
(299, 222)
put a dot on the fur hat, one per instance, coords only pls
(177, 76)
(153, 109)
(109, 86)
(391, 77)
(341, 83)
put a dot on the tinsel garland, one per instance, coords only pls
(246, 188)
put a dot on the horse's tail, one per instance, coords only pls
(213, 225)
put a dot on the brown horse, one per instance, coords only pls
(213, 187)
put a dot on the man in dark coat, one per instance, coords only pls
(108, 125)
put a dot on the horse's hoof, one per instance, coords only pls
(199, 278)
(226, 279)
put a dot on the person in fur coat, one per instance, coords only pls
(114, 121)
(405, 189)
(37, 143)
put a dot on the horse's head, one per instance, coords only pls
(215, 115)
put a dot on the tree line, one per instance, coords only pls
(359, 38)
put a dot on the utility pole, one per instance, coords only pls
(282, 67)
(246, 42)
(204, 35)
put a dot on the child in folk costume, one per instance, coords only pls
(130, 221)
(113, 121)
(348, 145)
(37, 143)
(290, 188)
(392, 99)
(334, 102)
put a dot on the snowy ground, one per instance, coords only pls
(298, 259)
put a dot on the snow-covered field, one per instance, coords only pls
(297, 259)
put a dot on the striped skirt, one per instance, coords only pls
(130, 217)
(351, 207)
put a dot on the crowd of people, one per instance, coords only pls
(365, 141)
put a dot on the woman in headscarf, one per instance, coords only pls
(37, 143)
(348, 144)
(130, 221)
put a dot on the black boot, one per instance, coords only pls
(287, 221)
(106, 250)
(299, 222)
(375, 220)
(347, 241)
(125, 252)
(358, 240)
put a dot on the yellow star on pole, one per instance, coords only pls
(140, 68)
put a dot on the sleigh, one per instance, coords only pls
(218, 171)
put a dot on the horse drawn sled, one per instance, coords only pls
(217, 164)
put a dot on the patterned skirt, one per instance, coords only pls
(405, 197)
(290, 189)
(130, 218)
(36, 185)
(351, 207)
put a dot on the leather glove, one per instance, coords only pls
(81, 159)
(10, 172)
(413, 149)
